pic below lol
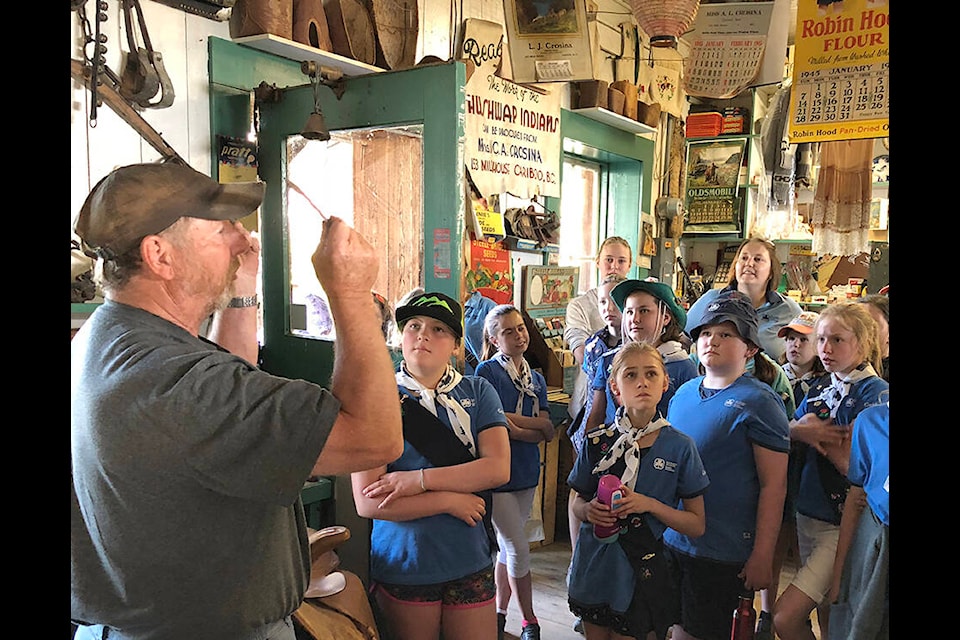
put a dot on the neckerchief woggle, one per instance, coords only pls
(522, 379)
(429, 398)
(626, 446)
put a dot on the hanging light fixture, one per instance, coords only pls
(664, 20)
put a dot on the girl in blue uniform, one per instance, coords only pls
(740, 428)
(523, 393)
(624, 588)
(861, 593)
(431, 568)
(604, 341)
(650, 313)
(802, 367)
(849, 350)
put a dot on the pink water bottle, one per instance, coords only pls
(608, 492)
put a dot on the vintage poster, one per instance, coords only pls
(548, 41)
(727, 44)
(238, 160)
(512, 137)
(548, 289)
(712, 187)
(840, 71)
(490, 271)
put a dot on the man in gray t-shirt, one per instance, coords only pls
(188, 460)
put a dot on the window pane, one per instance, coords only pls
(579, 219)
(373, 179)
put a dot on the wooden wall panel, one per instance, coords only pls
(388, 206)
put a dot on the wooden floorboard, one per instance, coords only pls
(548, 564)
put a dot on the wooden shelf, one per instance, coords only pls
(300, 52)
(615, 120)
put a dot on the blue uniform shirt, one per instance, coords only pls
(524, 456)
(436, 548)
(670, 470)
(812, 500)
(725, 426)
(870, 458)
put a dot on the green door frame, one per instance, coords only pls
(629, 161)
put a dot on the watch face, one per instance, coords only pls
(881, 169)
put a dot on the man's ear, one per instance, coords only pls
(158, 256)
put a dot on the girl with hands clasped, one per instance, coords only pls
(849, 350)
(432, 542)
(523, 393)
(621, 585)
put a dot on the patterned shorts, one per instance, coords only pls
(602, 616)
(477, 588)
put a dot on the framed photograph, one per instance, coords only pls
(649, 246)
(548, 41)
(712, 186)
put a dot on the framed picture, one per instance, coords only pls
(712, 186)
(649, 246)
(548, 41)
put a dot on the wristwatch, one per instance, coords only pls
(244, 301)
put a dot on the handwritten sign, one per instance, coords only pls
(512, 137)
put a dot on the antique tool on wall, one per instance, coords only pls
(108, 91)
(96, 60)
(143, 71)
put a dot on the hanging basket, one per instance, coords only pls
(664, 20)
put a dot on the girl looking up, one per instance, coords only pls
(651, 314)
(523, 393)
(623, 589)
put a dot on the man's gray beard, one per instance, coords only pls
(223, 299)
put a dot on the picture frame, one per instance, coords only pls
(548, 41)
(712, 181)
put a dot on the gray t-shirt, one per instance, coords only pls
(581, 322)
(187, 466)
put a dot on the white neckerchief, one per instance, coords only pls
(626, 445)
(522, 379)
(802, 379)
(672, 351)
(459, 418)
(840, 386)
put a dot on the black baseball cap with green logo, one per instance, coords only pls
(438, 306)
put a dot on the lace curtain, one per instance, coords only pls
(841, 204)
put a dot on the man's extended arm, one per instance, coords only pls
(368, 431)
